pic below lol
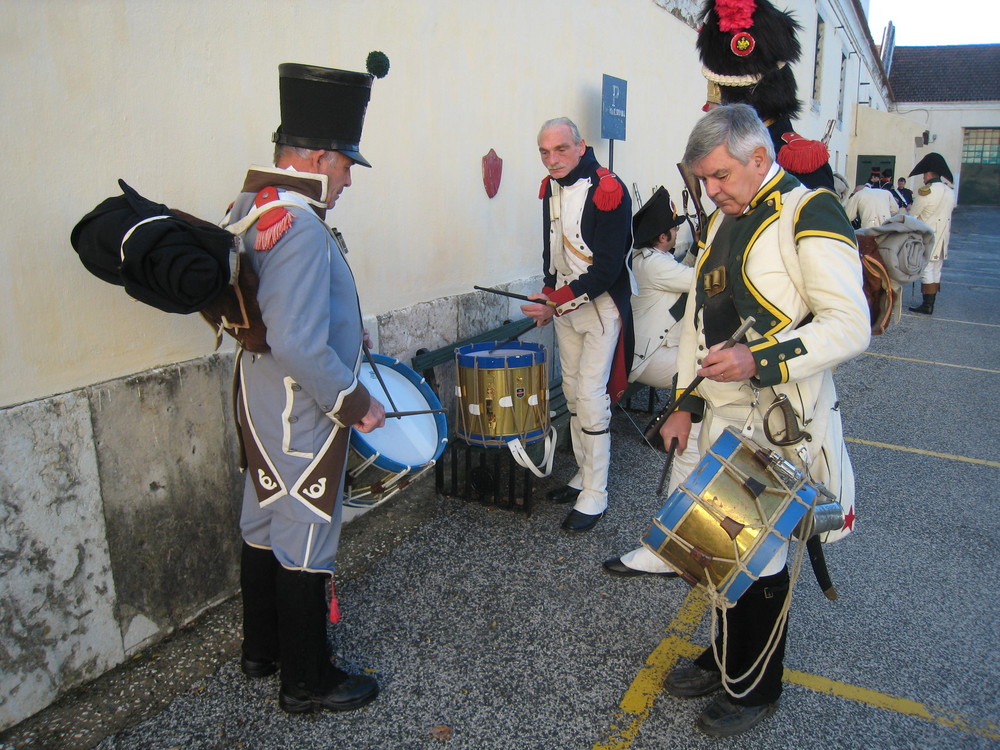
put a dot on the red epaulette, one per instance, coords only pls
(545, 187)
(609, 193)
(802, 156)
(273, 224)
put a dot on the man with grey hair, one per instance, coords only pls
(787, 257)
(587, 222)
(299, 399)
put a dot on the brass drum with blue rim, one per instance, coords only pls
(501, 394)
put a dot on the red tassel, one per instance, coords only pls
(544, 188)
(735, 15)
(334, 606)
(609, 193)
(802, 156)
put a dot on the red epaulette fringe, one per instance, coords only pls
(544, 188)
(273, 224)
(609, 193)
(802, 156)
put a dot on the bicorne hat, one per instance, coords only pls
(935, 163)
(323, 108)
(656, 217)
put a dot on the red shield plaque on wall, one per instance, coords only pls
(492, 170)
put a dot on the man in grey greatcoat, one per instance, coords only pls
(298, 401)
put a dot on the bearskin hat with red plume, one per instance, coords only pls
(747, 47)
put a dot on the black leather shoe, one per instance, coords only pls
(264, 668)
(563, 494)
(354, 691)
(690, 681)
(577, 522)
(616, 567)
(723, 718)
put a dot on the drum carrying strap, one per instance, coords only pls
(520, 455)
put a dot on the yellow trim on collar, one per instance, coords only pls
(765, 188)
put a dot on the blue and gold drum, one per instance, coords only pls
(501, 394)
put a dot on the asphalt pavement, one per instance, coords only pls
(491, 629)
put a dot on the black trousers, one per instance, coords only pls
(284, 620)
(750, 624)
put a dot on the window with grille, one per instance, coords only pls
(843, 87)
(981, 146)
(818, 63)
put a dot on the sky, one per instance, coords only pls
(922, 23)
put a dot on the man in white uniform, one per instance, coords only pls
(587, 222)
(871, 206)
(663, 283)
(933, 205)
(798, 337)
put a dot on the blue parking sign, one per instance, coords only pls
(613, 101)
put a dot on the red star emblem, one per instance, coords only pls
(849, 520)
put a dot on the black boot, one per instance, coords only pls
(260, 611)
(927, 308)
(308, 678)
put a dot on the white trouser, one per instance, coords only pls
(932, 272)
(659, 368)
(684, 463)
(587, 339)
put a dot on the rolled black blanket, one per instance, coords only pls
(167, 261)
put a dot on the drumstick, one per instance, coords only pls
(730, 343)
(501, 292)
(391, 414)
(371, 361)
(665, 474)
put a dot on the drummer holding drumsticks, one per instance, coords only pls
(299, 401)
(587, 220)
(797, 339)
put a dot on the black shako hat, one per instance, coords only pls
(656, 217)
(935, 163)
(323, 108)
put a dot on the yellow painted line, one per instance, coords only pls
(648, 683)
(635, 706)
(919, 451)
(930, 362)
(891, 703)
(952, 320)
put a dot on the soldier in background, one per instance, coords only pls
(663, 283)
(933, 205)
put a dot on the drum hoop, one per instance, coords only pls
(531, 354)
(505, 365)
(387, 463)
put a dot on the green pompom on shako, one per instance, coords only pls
(377, 64)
